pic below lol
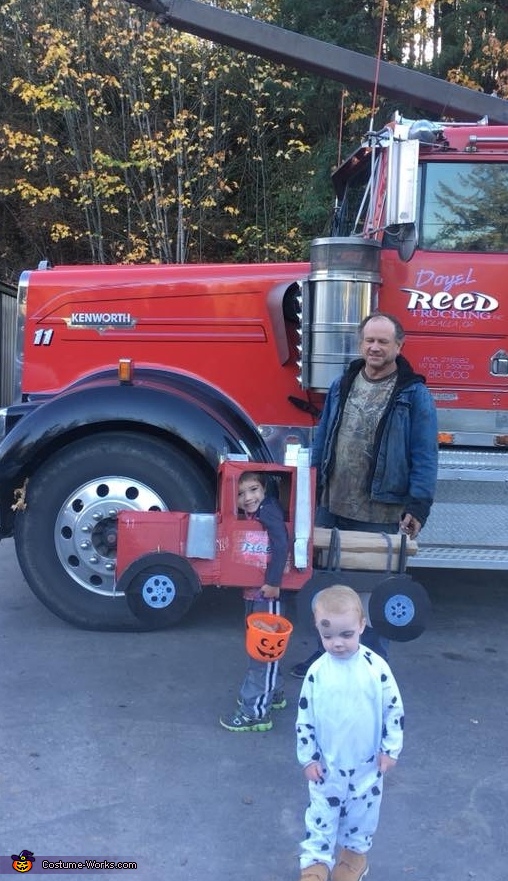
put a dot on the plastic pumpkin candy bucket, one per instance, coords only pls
(267, 636)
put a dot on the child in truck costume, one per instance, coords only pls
(261, 690)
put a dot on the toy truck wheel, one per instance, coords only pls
(159, 588)
(66, 537)
(399, 608)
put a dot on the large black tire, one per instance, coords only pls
(66, 537)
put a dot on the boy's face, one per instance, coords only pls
(250, 495)
(340, 632)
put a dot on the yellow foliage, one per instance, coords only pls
(58, 53)
(42, 96)
(144, 136)
(34, 195)
(60, 231)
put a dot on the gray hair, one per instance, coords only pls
(399, 330)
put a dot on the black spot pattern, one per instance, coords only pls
(333, 801)
(384, 677)
(303, 703)
(309, 736)
(376, 790)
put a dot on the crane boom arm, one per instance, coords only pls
(325, 59)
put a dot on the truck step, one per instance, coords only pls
(441, 557)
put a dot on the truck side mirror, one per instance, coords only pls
(401, 195)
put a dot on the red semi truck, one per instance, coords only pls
(133, 383)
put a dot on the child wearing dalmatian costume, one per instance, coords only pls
(349, 733)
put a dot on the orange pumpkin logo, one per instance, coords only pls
(23, 861)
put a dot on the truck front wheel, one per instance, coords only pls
(66, 536)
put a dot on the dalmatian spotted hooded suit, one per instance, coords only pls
(349, 711)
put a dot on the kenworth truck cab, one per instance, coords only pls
(133, 383)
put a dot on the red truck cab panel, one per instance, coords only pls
(241, 546)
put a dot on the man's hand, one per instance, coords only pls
(410, 525)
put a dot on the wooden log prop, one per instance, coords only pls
(363, 550)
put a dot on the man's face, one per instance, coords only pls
(379, 347)
(250, 495)
(340, 633)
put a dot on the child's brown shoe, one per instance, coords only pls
(316, 872)
(350, 867)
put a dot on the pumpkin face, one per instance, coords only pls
(22, 862)
(22, 865)
(270, 648)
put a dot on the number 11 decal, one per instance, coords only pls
(43, 337)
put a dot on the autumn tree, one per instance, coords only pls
(130, 143)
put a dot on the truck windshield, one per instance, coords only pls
(463, 206)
